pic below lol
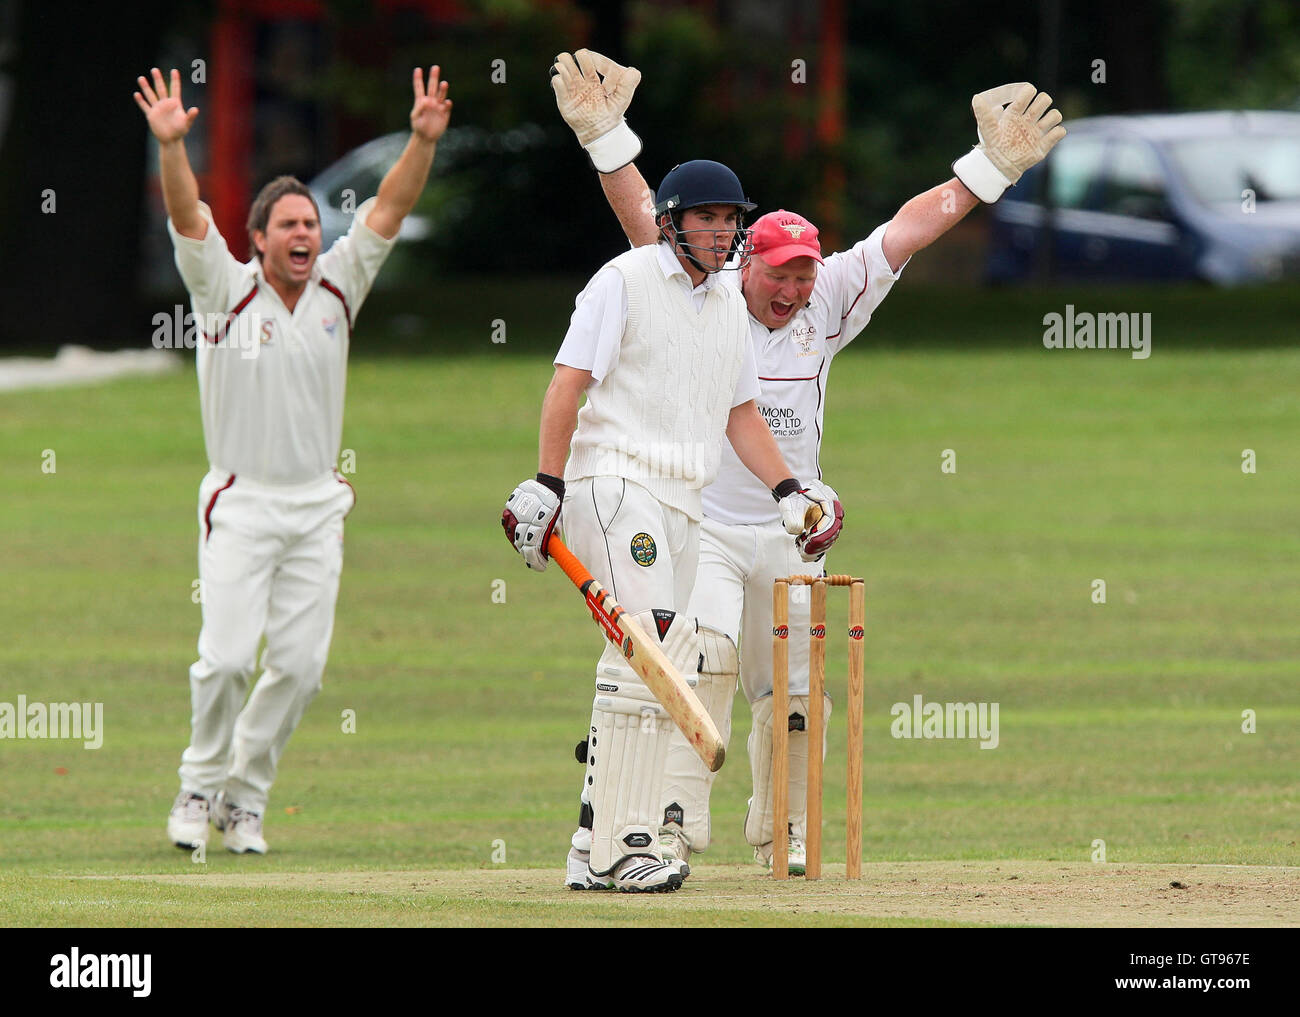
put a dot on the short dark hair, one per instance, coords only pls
(266, 198)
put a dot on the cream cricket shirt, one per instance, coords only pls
(271, 382)
(793, 363)
(668, 362)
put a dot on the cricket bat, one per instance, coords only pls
(646, 658)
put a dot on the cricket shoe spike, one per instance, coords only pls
(243, 832)
(646, 874)
(187, 825)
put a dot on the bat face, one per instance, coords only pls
(646, 658)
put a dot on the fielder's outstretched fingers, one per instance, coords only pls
(148, 92)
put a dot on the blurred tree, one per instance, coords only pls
(1226, 54)
(72, 165)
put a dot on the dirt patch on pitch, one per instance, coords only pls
(978, 893)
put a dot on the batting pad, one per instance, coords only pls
(687, 781)
(758, 820)
(625, 764)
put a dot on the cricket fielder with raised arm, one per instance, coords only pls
(802, 309)
(659, 346)
(272, 364)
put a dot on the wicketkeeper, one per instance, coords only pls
(802, 309)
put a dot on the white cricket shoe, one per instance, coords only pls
(243, 829)
(675, 848)
(187, 825)
(646, 874)
(796, 856)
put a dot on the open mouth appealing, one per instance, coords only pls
(781, 310)
(300, 256)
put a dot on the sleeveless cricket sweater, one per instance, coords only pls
(658, 418)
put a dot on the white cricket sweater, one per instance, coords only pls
(659, 417)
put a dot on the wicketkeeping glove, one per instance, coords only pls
(594, 107)
(815, 542)
(1011, 139)
(795, 502)
(530, 516)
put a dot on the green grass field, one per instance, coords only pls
(453, 801)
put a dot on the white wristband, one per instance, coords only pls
(977, 172)
(614, 149)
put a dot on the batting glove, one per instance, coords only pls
(1016, 131)
(530, 516)
(813, 543)
(594, 107)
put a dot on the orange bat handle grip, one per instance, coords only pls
(563, 557)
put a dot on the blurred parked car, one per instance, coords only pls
(345, 184)
(1207, 196)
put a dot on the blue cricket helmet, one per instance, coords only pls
(700, 182)
(696, 183)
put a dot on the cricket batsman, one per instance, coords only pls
(271, 364)
(802, 308)
(659, 346)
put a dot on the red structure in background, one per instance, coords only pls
(227, 182)
(230, 150)
(830, 123)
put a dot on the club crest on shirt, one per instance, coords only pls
(267, 330)
(330, 325)
(644, 551)
(805, 338)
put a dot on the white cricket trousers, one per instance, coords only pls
(644, 552)
(733, 594)
(269, 564)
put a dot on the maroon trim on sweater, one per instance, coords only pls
(230, 317)
(326, 284)
(845, 316)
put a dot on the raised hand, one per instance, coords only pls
(432, 110)
(592, 92)
(1017, 126)
(168, 118)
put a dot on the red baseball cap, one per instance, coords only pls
(781, 235)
